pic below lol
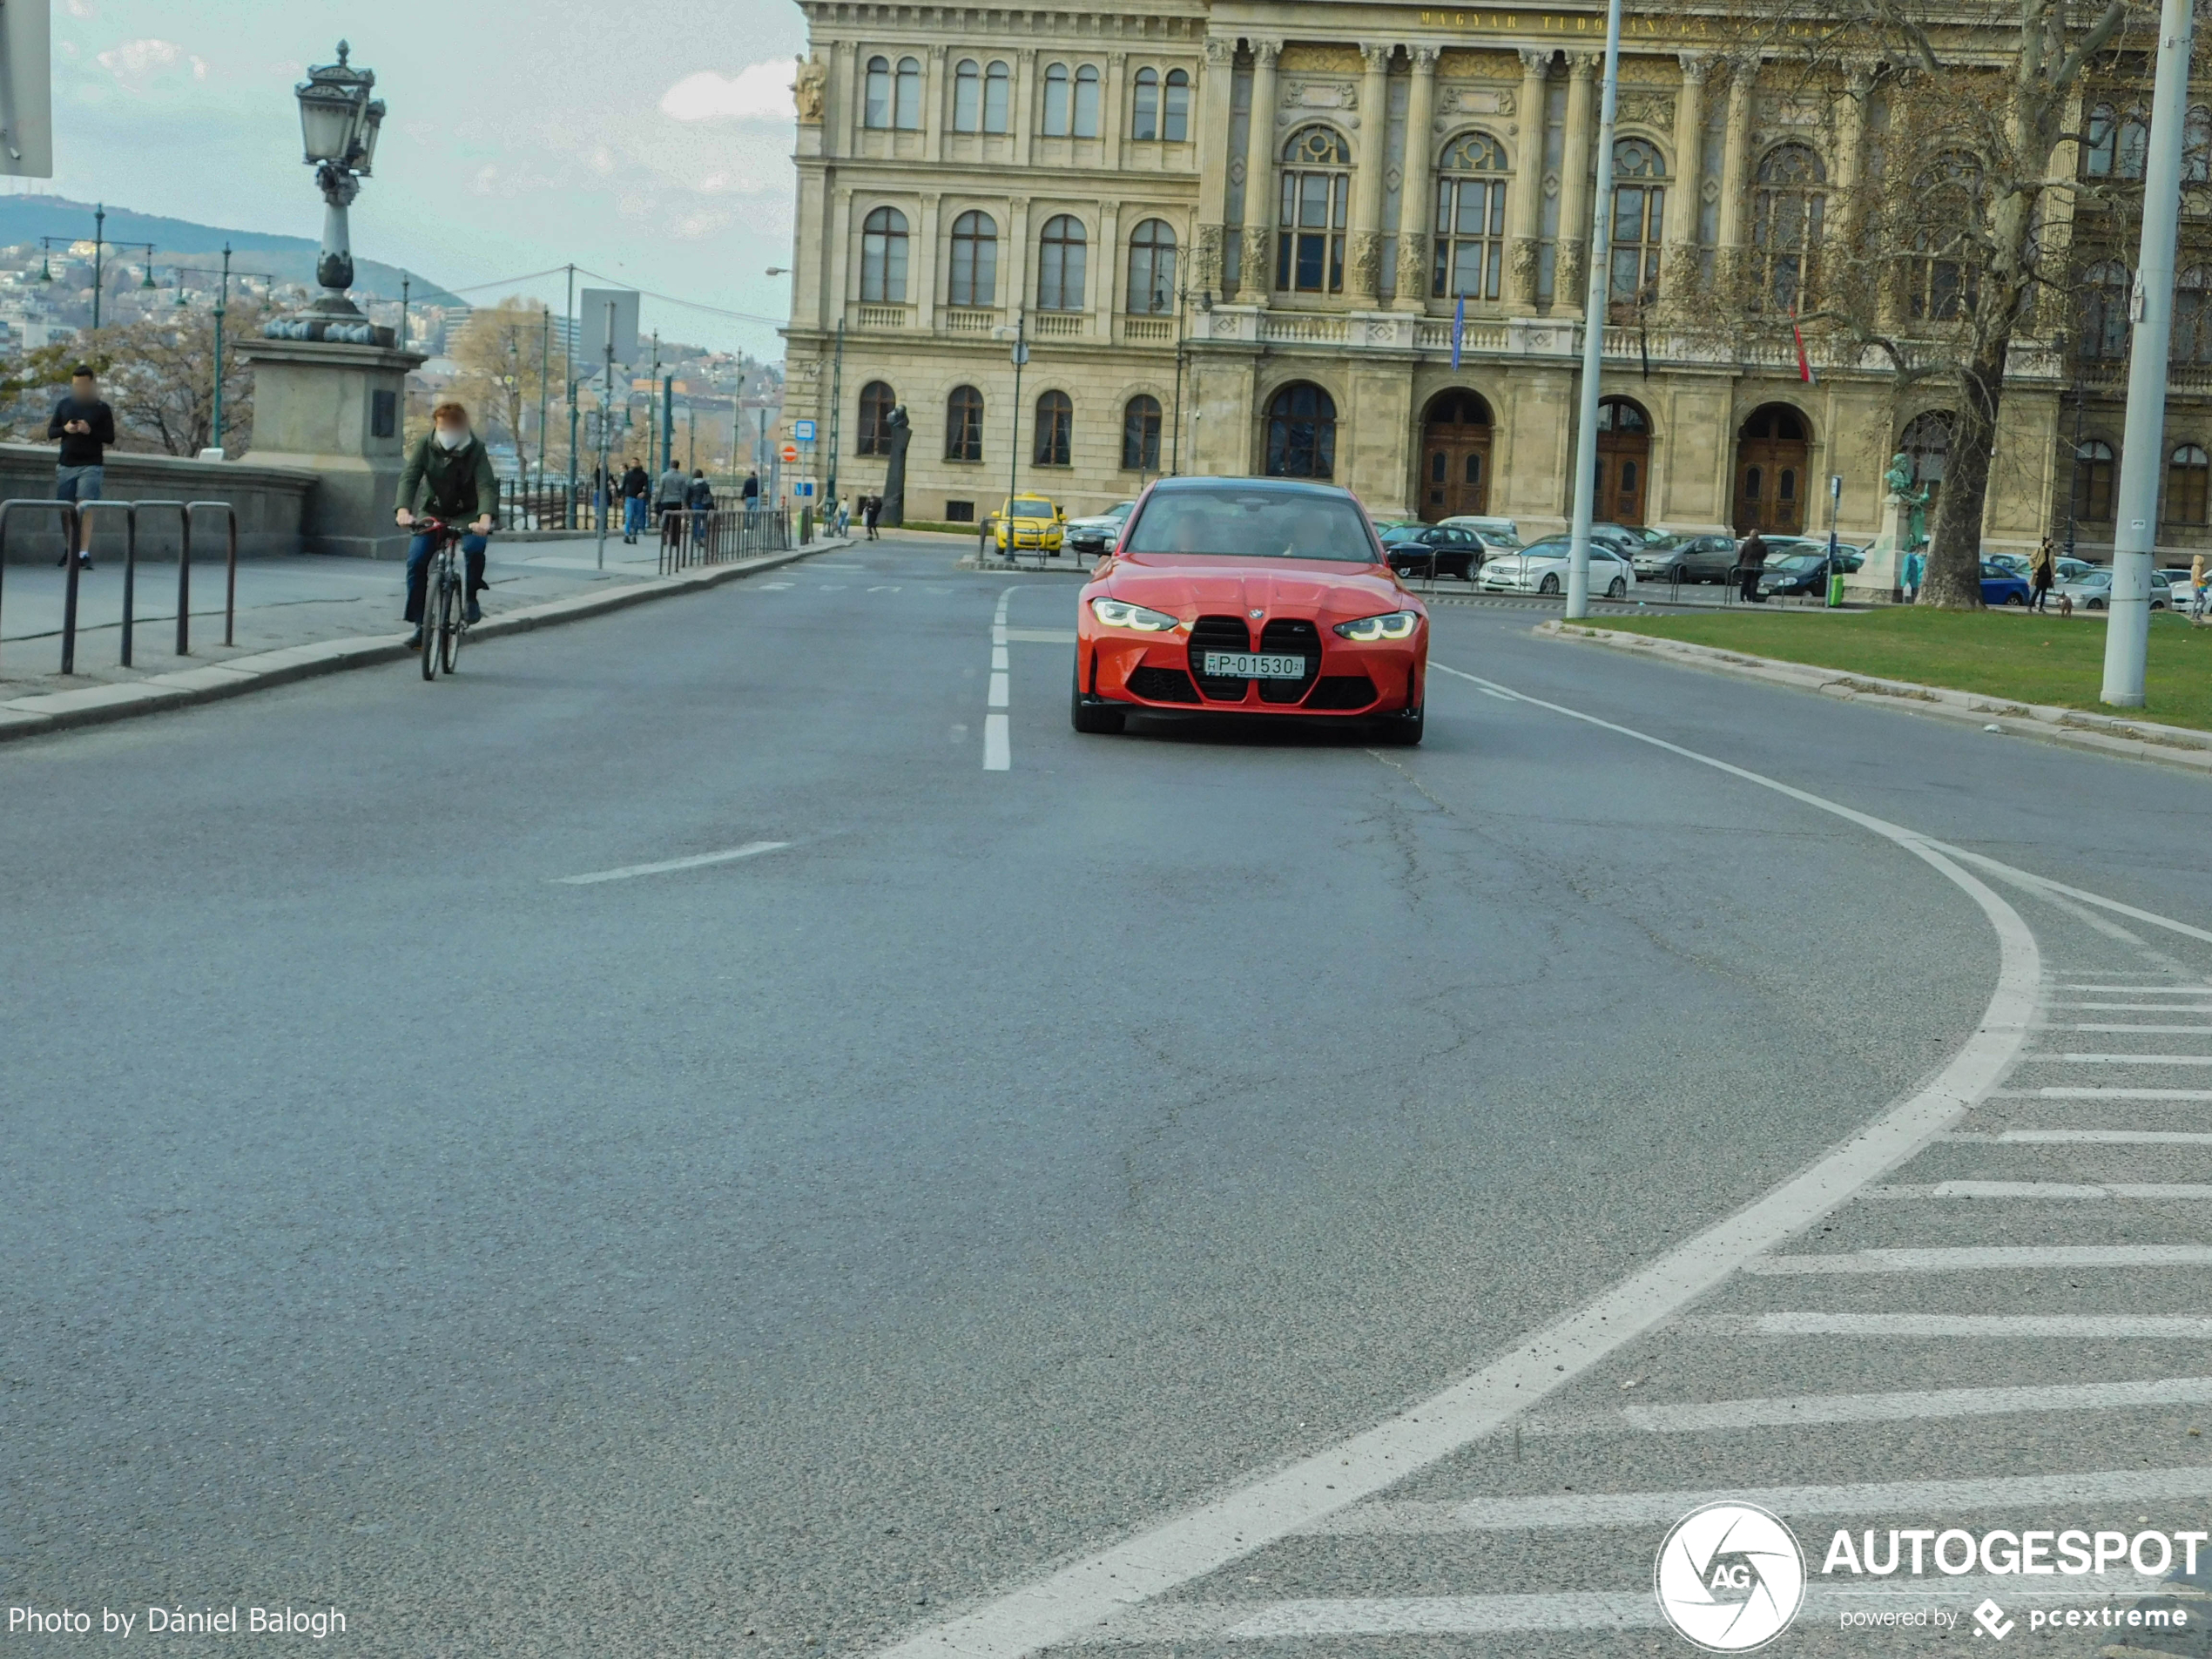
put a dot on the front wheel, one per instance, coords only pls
(2094, 604)
(1619, 590)
(2014, 599)
(428, 626)
(1088, 718)
(1549, 584)
(450, 622)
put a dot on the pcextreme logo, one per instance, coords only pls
(1731, 1577)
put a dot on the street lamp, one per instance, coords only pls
(338, 123)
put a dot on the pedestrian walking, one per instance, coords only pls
(85, 426)
(751, 493)
(2199, 588)
(1916, 566)
(845, 516)
(635, 487)
(2042, 577)
(1750, 560)
(668, 499)
(872, 510)
(699, 497)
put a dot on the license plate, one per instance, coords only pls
(1253, 665)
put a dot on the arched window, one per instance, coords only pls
(1145, 117)
(906, 117)
(1174, 109)
(1317, 184)
(2092, 470)
(1470, 217)
(1302, 433)
(976, 260)
(967, 96)
(1055, 430)
(1141, 435)
(1927, 446)
(2097, 142)
(2186, 474)
(875, 104)
(2197, 145)
(1058, 101)
(2104, 310)
(1087, 102)
(1944, 280)
(1639, 214)
(1151, 269)
(1787, 207)
(883, 257)
(998, 97)
(2133, 147)
(964, 424)
(1060, 265)
(2193, 316)
(877, 401)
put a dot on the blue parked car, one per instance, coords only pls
(2001, 586)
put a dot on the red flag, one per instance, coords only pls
(1804, 363)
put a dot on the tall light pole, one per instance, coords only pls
(2143, 444)
(222, 310)
(338, 123)
(568, 374)
(1593, 313)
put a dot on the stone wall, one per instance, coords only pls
(271, 503)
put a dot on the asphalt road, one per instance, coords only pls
(777, 1255)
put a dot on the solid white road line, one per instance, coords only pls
(2104, 1327)
(1727, 1416)
(2116, 1059)
(1581, 1509)
(1985, 1258)
(2050, 1190)
(2058, 1093)
(2125, 990)
(2145, 1030)
(1248, 1517)
(2011, 873)
(2093, 1137)
(2137, 1008)
(998, 746)
(750, 849)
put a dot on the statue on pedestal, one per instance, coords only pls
(898, 434)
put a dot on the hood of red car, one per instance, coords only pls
(1194, 584)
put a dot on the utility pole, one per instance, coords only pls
(653, 427)
(837, 409)
(1593, 313)
(222, 309)
(407, 289)
(2143, 444)
(606, 412)
(544, 374)
(1013, 445)
(99, 241)
(568, 374)
(667, 421)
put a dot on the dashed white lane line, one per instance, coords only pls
(1248, 1518)
(998, 731)
(1985, 1258)
(750, 849)
(998, 744)
(2066, 1328)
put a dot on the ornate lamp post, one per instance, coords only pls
(339, 123)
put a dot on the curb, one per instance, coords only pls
(2103, 733)
(31, 716)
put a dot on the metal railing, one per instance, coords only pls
(74, 513)
(690, 536)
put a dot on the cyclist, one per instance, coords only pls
(450, 476)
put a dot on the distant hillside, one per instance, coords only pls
(290, 258)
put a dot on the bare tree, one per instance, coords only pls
(509, 358)
(159, 375)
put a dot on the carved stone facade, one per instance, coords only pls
(1206, 206)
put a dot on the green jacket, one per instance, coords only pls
(458, 485)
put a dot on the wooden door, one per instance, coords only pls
(1455, 471)
(1623, 464)
(1770, 486)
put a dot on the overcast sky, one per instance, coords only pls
(652, 147)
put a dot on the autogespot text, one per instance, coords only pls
(1956, 1551)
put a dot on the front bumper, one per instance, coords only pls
(1353, 681)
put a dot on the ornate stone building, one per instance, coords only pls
(1235, 238)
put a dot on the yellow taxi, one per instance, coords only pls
(1032, 521)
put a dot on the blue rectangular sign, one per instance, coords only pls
(803, 430)
(804, 487)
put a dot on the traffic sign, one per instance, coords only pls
(791, 452)
(803, 430)
(805, 487)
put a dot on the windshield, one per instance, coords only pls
(1244, 522)
(1033, 510)
(1500, 541)
(1799, 562)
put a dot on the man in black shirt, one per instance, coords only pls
(85, 426)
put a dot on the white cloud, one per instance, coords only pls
(135, 64)
(759, 94)
(81, 9)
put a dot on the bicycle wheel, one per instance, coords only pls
(450, 620)
(431, 589)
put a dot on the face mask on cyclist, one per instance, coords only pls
(452, 437)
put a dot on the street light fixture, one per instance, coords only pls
(339, 124)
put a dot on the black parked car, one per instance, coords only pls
(1796, 573)
(1433, 549)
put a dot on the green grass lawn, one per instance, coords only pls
(2029, 659)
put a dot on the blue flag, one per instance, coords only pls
(1458, 330)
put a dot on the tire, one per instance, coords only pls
(2014, 599)
(2094, 605)
(1088, 718)
(1402, 731)
(430, 624)
(450, 624)
(1549, 584)
(1619, 590)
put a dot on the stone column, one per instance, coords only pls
(1117, 123)
(1842, 229)
(1257, 271)
(1417, 196)
(1216, 91)
(844, 114)
(1735, 159)
(841, 259)
(1681, 278)
(1025, 104)
(1571, 279)
(921, 264)
(1106, 273)
(315, 405)
(1526, 204)
(934, 92)
(1017, 263)
(1364, 286)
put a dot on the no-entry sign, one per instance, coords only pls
(791, 452)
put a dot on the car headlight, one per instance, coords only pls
(1119, 613)
(1396, 624)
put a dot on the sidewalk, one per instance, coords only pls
(296, 616)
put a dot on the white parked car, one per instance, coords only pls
(1542, 568)
(1495, 532)
(2092, 591)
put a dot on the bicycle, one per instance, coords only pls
(445, 598)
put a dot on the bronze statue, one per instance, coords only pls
(1898, 478)
(898, 433)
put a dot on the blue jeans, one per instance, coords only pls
(418, 569)
(633, 514)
